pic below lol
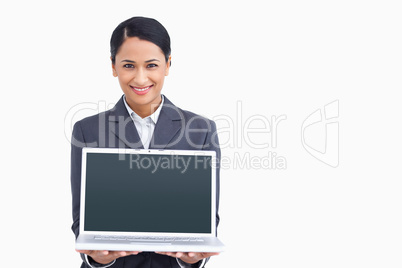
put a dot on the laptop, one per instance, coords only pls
(148, 200)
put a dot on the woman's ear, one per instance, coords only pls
(168, 64)
(113, 68)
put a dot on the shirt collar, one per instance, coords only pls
(154, 117)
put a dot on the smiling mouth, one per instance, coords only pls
(141, 90)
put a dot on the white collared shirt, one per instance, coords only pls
(145, 126)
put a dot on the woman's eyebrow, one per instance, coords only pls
(131, 61)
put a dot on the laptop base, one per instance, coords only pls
(208, 244)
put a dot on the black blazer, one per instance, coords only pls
(175, 129)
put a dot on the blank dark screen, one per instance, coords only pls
(148, 193)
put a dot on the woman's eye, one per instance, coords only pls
(128, 66)
(152, 65)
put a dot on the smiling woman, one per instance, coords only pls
(141, 60)
(142, 119)
(141, 69)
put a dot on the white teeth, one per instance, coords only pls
(141, 89)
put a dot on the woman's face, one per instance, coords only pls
(141, 69)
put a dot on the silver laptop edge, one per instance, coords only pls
(124, 152)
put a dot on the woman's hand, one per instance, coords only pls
(105, 257)
(189, 257)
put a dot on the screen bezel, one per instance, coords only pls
(127, 152)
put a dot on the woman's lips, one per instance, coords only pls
(141, 90)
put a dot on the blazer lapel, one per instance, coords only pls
(122, 125)
(168, 126)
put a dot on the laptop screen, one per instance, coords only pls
(148, 193)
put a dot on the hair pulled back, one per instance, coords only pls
(144, 28)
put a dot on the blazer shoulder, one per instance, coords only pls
(199, 120)
(93, 121)
(176, 113)
(90, 129)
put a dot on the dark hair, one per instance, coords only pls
(144, 28)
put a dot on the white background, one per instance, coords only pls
(274, 58)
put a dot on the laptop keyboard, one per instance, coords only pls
(147, 238)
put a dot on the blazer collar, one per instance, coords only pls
(169, 123)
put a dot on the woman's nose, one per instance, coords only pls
(141, 77)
